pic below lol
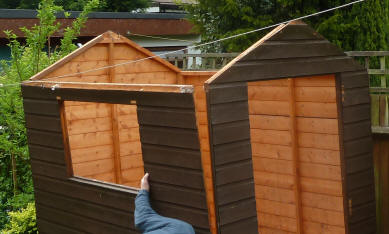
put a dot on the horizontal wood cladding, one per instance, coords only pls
(357, 151)
(231, 158)
(292, 49)
(276, 69)
(296, 32)
(171, 154)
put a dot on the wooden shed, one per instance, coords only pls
(277, 141)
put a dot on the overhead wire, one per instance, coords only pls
(190, 47)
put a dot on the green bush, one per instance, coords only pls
(23, 221)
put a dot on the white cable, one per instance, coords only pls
(196, 46)
(163, 38)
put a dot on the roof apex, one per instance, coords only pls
(107, 37)
(290, 50)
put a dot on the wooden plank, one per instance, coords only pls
(303, 94)
(86, 209)
(49, 170)
(183, 138)
(273, 165)
(85, 224)
(249, 226)
(333, 218)
(180, 118)
(51, 155)
(130, 148)
(171, 156)
(317, 110)
(311, 227)
(230, 213)
(321, 186)
(295, 157)
(276, 208)
(40, 122)
(224, 94)
(81, 126)
(318, 141)
(45, 226)
(383, 111)
(128, 121)
(41, 107)
(271, 137)
(229, 112)
(231, 152)
(268, 108)
(42, 138)
(296, 32)
(168, 175)
(274, 194)
(179, 196)
(143, 77)
(92, 153)
(375, 110)
(316, 81)
(132, 161)
(320, 171)
(235, 192)
(356, 96)
(270, 69)
(129, 135)
(231, 132)
(278, 222)
(292, 49)
(321, 201)
(79, 66)
(87, 111)
(273, 179)
(90, 139)
(357, 147)
(356, 130)
(269, 122)
(234, 173)
(86, 169)
(98, 193)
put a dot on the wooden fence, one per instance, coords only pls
(376, 63)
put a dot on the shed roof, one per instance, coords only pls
(290, 50)
(105, 38)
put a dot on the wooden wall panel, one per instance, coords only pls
(357, 150)
(76, 205)
(233, 173)
(317, 135)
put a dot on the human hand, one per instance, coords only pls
(144, 183)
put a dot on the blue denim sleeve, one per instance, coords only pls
(148, 221)
(145, 216)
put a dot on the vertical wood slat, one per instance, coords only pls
(294, 137)
(115, 122)
(382, 67)
(375, 110)
(65, 135)
(383, 113)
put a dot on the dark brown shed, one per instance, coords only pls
(290, 138)
(277, 141)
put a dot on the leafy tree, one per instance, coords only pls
(360, 27)
(27, 59)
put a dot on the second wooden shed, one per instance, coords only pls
(277, 141)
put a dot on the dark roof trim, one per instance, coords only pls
(31, 14)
